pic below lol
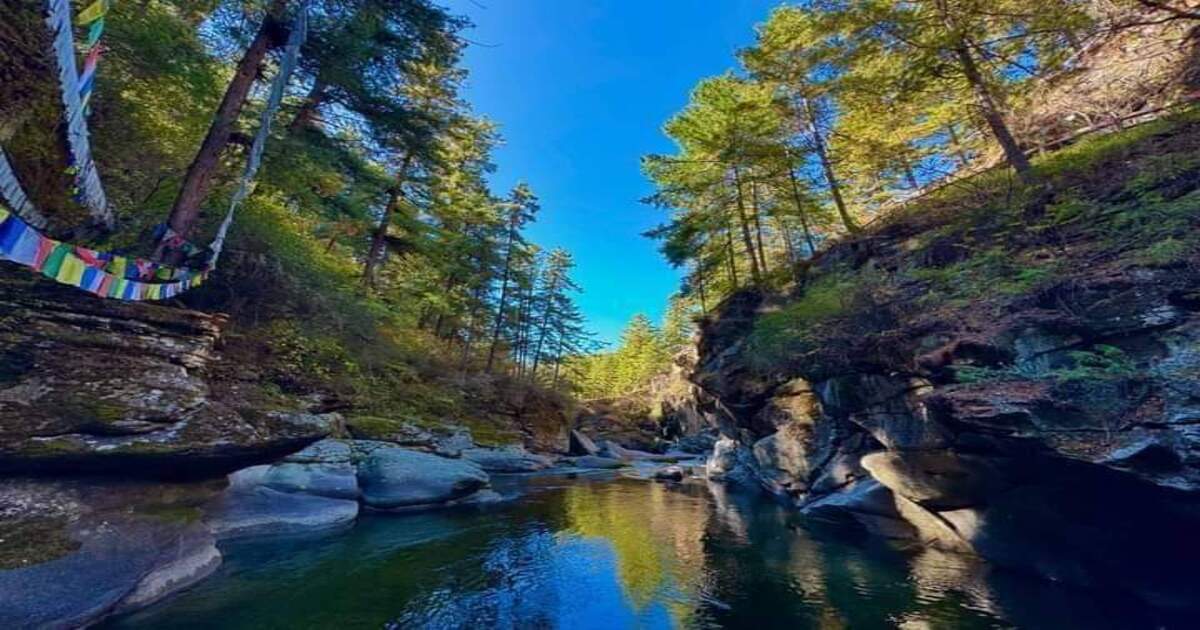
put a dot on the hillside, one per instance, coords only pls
(995, 370)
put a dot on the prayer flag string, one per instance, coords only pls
(88, 189)
(121, 277)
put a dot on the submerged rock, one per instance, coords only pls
(595, 461)
(74, 551)
(670, 473)
(251, 507)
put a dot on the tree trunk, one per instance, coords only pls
(469, 337)
(956, 144)
(306, 116)
(994, 116)
(786, 235)
(758, 231)
(379, 236)
(747, 240)
(557, 361)
(835, 186)
(491, 360)
(911, 176)
(198, 179)
(537, 353)
(379, 239)
(729, 255)
(700, 285)
(808, 237)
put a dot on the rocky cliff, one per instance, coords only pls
(1014, 377)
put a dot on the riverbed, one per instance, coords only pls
(610, 552)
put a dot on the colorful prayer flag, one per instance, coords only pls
(94, 12)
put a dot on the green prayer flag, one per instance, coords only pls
(54, 261)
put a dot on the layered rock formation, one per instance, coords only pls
(1082, 469)
(90, 385)
(1027, 394)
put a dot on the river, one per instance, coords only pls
(617, 553)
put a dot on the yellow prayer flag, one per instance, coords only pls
(117, 266)
(71, 271)
(3, 215)
(94, 12)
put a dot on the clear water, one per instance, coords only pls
(617, 553)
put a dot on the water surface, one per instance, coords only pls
(617, 553)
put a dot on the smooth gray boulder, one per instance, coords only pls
(392, 477)
(81, 551)
(611, 449)
(669, 473)
(506, 460)
(256, 510)
(595, 461)
(323, 469)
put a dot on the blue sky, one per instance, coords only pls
(581, 89)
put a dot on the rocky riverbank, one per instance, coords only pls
(135, 438)
(1031, 399)
(78, 549)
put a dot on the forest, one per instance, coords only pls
(824, 313)
(371, 250)
(843, 114)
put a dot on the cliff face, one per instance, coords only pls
(91, 385)
(1036, 404)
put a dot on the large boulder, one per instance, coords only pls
(324, 469)
(940, 480)
(595, 461)
(392, 477)
(260, 511)
(731, 462)
(609, 448)
(506, 460)
(782, 459)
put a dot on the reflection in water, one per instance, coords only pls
(616, 554)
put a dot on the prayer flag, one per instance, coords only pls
(93, 12)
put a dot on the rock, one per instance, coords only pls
(582, 444)
(932, 529)
(867, 502)
(595, 461)
(74, 551)
(188, 566)
(453, 444)
(793, 402)
(390, 430)
(510, 460)
(261, 511)
(939, 480)
(132, 399)
(698, 444)
(323, 469)
(890, 408)
(782, 459)
(731, 462)
(627, 421)
(608, 448)
(392, 477)
(669, 473)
